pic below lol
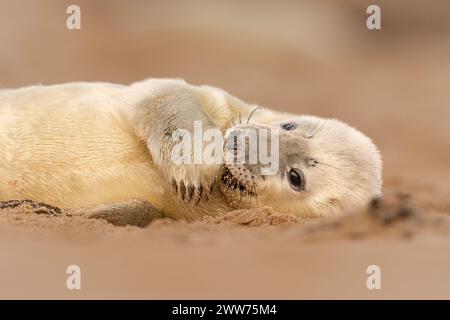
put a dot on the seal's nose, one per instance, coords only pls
(249, 145)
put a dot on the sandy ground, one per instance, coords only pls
(313, 57)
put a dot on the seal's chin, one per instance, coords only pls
(238, 185)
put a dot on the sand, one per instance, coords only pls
(311, 57)
(245, 254)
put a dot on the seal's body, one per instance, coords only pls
(98, 145)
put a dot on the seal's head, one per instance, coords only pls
(324, 166)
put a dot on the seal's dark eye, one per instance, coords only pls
(289, 126)
(296, 179)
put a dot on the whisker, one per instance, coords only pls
(308, 128)
(329, 165)
(248, 200)
(240, 198)
(323, 171)
(321, 127)
(309, 133)
(240, 194)
(251, 114)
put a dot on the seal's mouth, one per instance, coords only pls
(239, 186)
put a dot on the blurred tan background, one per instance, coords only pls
(313, 57)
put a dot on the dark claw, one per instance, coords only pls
(191, 192)
(175, 185)
(182, 190)
(200, 191)
(199, 195)
(210, 192)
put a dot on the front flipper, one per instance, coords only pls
(177, 117)
(133, 212)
